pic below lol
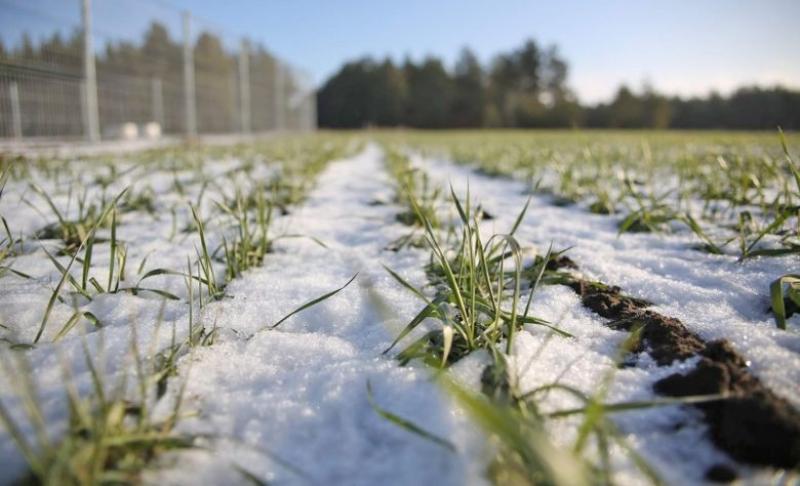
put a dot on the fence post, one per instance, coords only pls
(92, 127)
(244, 86)
(279, 95)
(188, 78)
(84, 113)
(312, 110)
(158, 102)
(304, 122)
(16, 113)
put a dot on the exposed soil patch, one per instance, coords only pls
(485, 215)
(752, 424)
(608, 301)
(408, 218)
(495, 382)
(559, 262)
(664, 338)
(721, 473)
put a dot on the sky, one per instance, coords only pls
(679, 47)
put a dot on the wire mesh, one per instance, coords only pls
(158, 70)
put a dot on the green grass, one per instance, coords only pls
(741, 190)
(474, 284)
(65, 275)
(739, 194)
(8, 241)
(112, 434)
(784, 294)
(478, 305)
(414, 191)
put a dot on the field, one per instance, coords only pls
(509, 307)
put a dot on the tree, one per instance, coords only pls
(389, 95)
(429, 94)
(341, 102)
(516, 80)
(528, 87)
(215, 85)
(528, 67)
(554, 76)
(262, 88)
(469, 92)
(627, 110)
(657, 111)
(502, 81)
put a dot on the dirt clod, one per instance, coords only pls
(560, 262)
(753, 424)
(721, 473)
(495, 383)
(665, 338)
(607, 301)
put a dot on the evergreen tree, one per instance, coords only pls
(429, 94)
(469, 92)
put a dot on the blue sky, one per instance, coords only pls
(680, 47)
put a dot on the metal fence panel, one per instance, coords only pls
(153, 65)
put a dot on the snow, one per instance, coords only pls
(713, 296)
(301, 389)
(295, 397)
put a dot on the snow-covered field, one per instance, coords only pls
(290, 404)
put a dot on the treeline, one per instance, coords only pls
(748, 108)
(526, 88)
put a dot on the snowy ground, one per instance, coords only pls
(715, 296)
(297, 394)
(300, 391)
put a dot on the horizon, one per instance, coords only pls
(747, 45)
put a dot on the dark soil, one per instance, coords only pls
(752, 424)
(485, 215)
(720, 473)
(495, 383)
(608, 301)
(664, 338)
(408, 218)
(560, 262)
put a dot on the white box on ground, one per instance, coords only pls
(129, 131)
(151, 130)
(123, 131)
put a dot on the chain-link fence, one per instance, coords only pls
(138, 69)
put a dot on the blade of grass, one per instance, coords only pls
(65, 274)
(406, 424)
(310, 303)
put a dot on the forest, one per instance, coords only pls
(528, 88)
